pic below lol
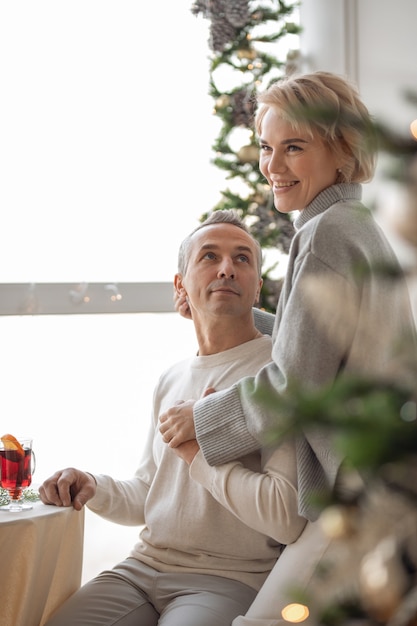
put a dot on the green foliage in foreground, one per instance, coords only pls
(372, 423)
(29, 495)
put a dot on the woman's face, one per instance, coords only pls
(297, 166)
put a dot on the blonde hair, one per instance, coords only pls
(328, 106)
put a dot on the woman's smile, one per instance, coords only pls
(297, 165)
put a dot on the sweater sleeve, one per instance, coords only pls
(264, 321)
(265, 501)
(120, 501)
(123, 501)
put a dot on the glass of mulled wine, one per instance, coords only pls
(17, 464)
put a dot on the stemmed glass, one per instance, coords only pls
(17, 464)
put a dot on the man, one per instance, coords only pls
(210, 535)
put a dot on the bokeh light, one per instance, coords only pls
(295, 613)
(413, 129)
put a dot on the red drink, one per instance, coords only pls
(15, 471)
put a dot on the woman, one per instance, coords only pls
(337, 313)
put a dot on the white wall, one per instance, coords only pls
(374, 43)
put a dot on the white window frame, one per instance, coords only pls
(85, 298)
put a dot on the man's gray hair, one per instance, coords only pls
(224, 216)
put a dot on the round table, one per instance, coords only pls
(41, 554)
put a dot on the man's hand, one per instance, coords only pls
(68, 486)
(177, 424)
(187, 450)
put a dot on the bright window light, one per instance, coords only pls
(106, 134)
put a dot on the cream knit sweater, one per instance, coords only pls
(229, 520)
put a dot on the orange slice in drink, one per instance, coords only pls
(11, 443)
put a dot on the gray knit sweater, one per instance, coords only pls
(337, 313)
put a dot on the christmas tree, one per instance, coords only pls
(243, 37)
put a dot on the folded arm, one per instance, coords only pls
(265, 500)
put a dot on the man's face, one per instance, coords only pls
(222, 273)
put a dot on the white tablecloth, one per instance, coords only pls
(41, 560)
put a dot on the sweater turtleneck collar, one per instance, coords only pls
(326, 198)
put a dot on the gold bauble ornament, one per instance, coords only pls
(338, 522)
(222, 101)
(382, 579)
(248, 154)
(247, 53)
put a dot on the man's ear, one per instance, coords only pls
(258, 292)
(179, 286)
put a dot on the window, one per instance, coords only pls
(105, 139)
(105, 155)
